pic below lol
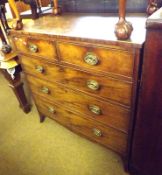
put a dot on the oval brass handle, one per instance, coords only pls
(51, 110)
(33, 48)
(45, 90)
(95, 109)
(91, 59)
(97, 132)
(39, 69)
(93, 85)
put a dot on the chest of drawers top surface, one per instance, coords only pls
(85, 27)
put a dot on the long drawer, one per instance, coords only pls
(95, 131)
(37, 47)
(109, 114)
(96, 85)
(112, 61)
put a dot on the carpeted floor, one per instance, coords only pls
(30, 148)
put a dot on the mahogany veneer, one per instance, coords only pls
(86, 81)
(146, 157)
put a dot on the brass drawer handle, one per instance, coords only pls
(95, 109)
(93, 85)
(33, 48)
(45, 90)
(91, 59)
(97, 132)
(51, 110)
(39, 69)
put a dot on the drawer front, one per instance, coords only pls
(99, 86)
(113, 61)
(106, 136)
(106, 113)
(37, 47)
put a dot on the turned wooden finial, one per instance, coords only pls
(152, 7)
(17, 22)
(123, 28)
(56, 8)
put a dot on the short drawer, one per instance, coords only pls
(112, 61)
(107, 113)
(100, 86)
(37, 47)
(95, 131)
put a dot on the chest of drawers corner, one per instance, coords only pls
(90, 88)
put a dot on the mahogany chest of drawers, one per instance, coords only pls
(81, 77)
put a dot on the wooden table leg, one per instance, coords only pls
(56, 8)
(2, 36)
(17, 87)
(41, 117)
(17, 25)
(3, 17)
(33, 7)
(39, 5)
(123, 28)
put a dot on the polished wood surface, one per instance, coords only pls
(112, 61)
(123, 28)
(91, 74)
(43, 48)
(108, 88)
(93, 28)
(110, 137)
(111, 114)
(146, 158)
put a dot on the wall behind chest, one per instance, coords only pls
(101, 6)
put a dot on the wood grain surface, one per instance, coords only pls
(45, 48)
(109, 88)
(93, 28)
(111, 114)
(111, 138)
(57, 71)
(109, 60)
